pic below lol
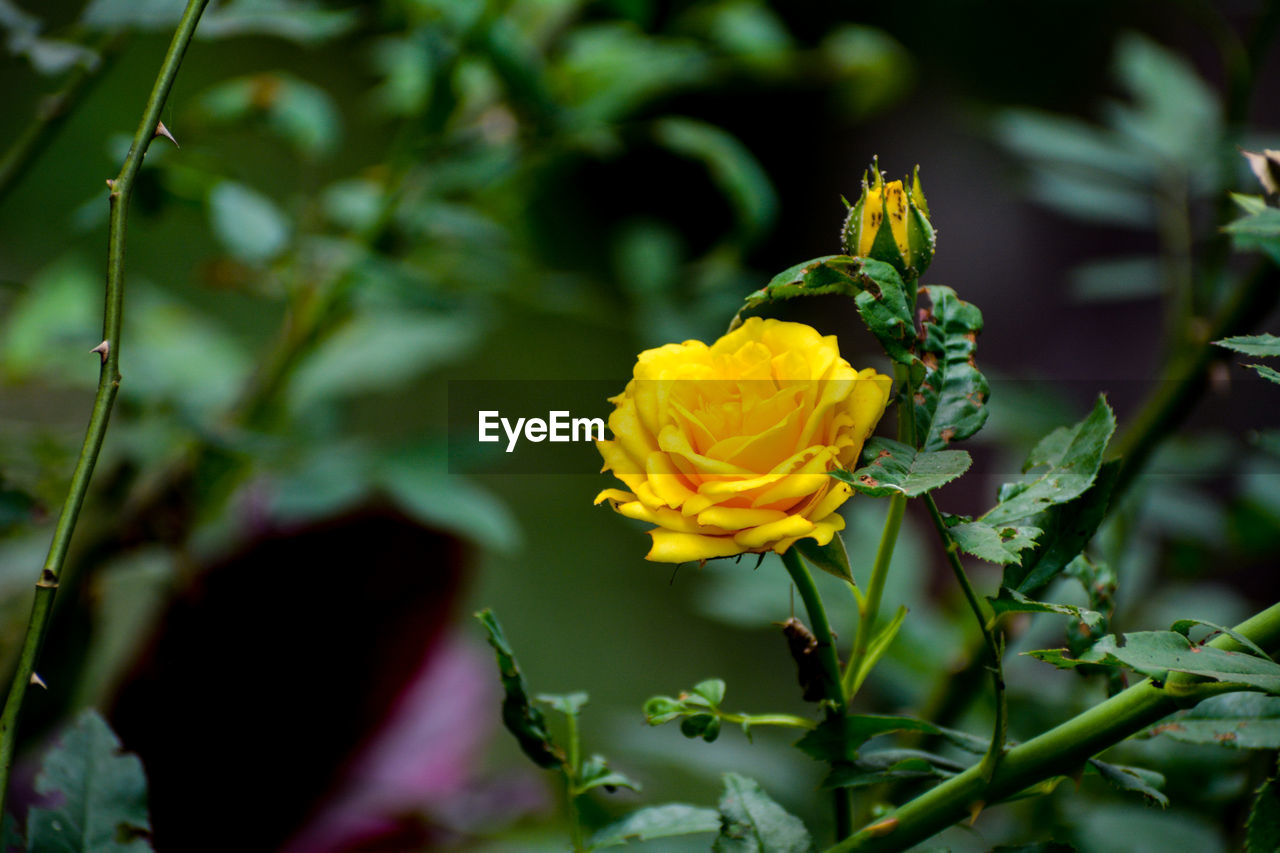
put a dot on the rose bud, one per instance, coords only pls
(908, 241)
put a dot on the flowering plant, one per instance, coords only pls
(727, 448)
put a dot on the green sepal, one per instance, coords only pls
(521, 717)
(832, 558)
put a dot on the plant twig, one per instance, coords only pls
(1183, 380)
(830, 661)
(869, 605)
(108, 386)
(1060, 751)
(992, 759)
(52, 112)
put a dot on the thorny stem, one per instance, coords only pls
(1183, 380)
(1060, 751)
(108, 386)
(992, 759)
(52, 112)
(830, 662)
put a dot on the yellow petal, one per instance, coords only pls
(738, 518)
(672, 547)
(766, 534)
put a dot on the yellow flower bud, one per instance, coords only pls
(908, 241)
(727, 448)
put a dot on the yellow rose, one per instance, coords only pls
(726, 448)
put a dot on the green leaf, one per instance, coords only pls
(1071, 457)
(1156, 653)
(1240, 720)
(890, 765)
(596, 773)
(832, 558)
(300, 113)
(379, 349)
(705, 726)
(519, 715)
(665, 821)
(1012, 601)
(1266, 372)
(1260, 230)
(1117, 280)
(732, 166)
(1262, 829)
(951, 401)
(1135, 779)
(1184, 626)
(840, 738)
(569, 704)
(1256, 345)
(247, 223)
(994, 543)
(753, 823)
(300, 21)
(1066, 530)
(103, 794)
(876, 288)
(879, 644)
(898, 469)
(1038, 847)
(712, 690)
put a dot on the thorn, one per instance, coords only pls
(37, 680)
(974, 810)
(111, 184)
(161, 130)
(884, 827)
(103, 349)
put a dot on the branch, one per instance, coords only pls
(52, 112)
(108, 387)
(1058, 752)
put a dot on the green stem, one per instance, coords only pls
(1061, 751)
(821, 627)
(789, 720)
(992, 759)
(869, 605)
(108, 387)
(830, 662)
(571, 774)
(1183, 381)
(52, 112)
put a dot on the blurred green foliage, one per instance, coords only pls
(370, 199)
